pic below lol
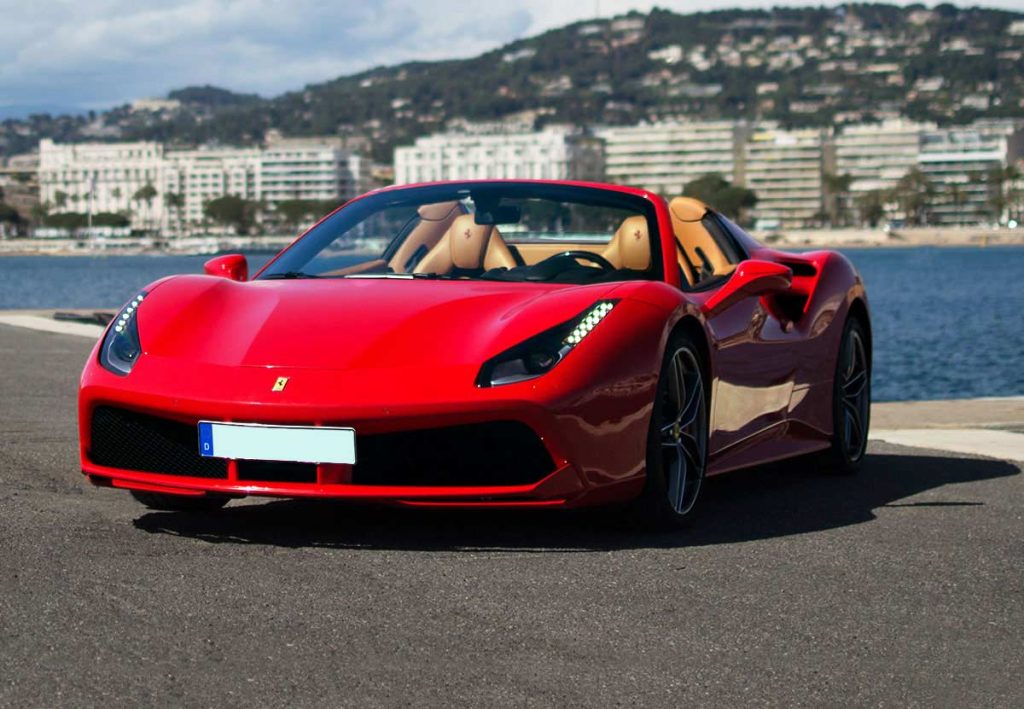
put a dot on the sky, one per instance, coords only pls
(61, 55)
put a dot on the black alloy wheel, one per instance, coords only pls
(678, 439)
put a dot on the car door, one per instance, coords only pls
(754, 357)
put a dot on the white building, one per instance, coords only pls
(101, 177)
(784, 168)
(111, 177)
(556, 153)
(308, 169)
(957, 163)
(663, 157)
(877, 155)
(202, 175)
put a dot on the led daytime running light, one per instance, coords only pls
(588, 323)
(126, 314)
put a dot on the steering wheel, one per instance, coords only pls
(581, 255)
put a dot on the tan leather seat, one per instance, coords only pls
(467, 246)
(435, 219)
(691, 234)
(631, 246)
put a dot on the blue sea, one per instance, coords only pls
(948, 322)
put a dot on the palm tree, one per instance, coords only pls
(837, 188)
(958, 197)
(176, 201)
(145, 194)
(914, 193)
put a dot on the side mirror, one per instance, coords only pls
(233, 266)
(751, 278)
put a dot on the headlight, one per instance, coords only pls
(541, 353)
(121, 348)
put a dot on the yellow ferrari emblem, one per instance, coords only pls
(280, 384)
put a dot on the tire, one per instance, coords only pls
(851, 401)
(677, 440)
(179, 503)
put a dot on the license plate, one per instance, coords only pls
(292, 444)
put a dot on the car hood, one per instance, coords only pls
(350, 324)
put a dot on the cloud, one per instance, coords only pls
(95, 53)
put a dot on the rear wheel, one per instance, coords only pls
(851, 400)
(677, 441)
(179, 503)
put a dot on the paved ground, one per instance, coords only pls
(901, 586)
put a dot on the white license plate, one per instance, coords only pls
(293, 444)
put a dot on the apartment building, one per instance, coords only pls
(958, 163)
(202, 175)
(108, 177)
(784, 168)
(877, 155)
(101, 177)
(555, 153)
(663, 157)
(308, 169)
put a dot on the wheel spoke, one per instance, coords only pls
(689, 413)
(688, 444)
(855, 385)
(679, 382)
(677, 481)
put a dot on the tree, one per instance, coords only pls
(231, 210)
(914, 193)
(837, 192)
(294, 212)
(145, 195)
(60, 198)
(9, 214)
(176, 201)
(871, 207)
(714, 190)
(957, 197)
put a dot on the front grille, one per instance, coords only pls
(485, 454)
(133, 441)
(494, 453)
(273, 471)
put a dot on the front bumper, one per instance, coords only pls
(493, 462)
(590, 418)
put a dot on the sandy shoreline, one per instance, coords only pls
(794, 239)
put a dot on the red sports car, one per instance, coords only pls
(506, 343)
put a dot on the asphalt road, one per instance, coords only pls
(900, 586)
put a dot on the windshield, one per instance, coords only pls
(482, 231)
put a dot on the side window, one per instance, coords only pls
(709, 250)
(727, 244)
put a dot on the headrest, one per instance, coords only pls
(436, 212)
(687, 209)
(468, 241)
(634, 244)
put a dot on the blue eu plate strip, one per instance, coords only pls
(206, 439)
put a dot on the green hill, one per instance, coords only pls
(806, 66)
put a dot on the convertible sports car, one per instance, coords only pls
(509, 343)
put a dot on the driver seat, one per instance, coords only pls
(630, 248)
(467, 248)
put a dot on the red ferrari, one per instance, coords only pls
(506, 343)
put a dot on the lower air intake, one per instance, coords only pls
(133, 441)
(484, 454)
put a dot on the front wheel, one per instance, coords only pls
(179, 503)
(678, 438)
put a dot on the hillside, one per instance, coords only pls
(807, 66)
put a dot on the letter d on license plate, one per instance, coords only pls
(293, 444)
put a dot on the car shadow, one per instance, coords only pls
(770, 501)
